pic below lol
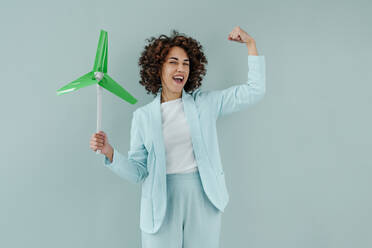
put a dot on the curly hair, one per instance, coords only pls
(154, 54)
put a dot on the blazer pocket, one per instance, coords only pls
(149, 146)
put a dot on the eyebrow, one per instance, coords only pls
(177, 59)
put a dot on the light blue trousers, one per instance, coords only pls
(191, 220)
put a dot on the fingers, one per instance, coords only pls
(234, 36)
(96, 147)
(94, 140)
(237, 34)
(97, 140)
(99, 135)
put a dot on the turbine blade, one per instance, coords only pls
(100, 63)
(86, 80)
(109, 84)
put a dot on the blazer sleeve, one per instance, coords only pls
(134, 166)
(238, 97)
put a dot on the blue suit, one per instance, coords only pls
(146, 160)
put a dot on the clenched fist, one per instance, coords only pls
(99, 141)
(239, 35)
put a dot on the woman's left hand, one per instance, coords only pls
(239, 35)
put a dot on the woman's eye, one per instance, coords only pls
(176, 62)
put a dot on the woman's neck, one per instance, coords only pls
(169, 97)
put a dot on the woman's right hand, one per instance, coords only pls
(99, 141)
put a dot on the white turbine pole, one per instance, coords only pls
(99, 76)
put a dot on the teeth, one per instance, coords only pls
(179, 77)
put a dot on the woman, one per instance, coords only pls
(173, 147)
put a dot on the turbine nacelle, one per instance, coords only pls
(98, 75)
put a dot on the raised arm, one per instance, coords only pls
(238, 97)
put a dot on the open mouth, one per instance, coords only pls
(178, 80)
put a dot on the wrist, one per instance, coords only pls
(251, 44)
(252, 50)
(109, 152)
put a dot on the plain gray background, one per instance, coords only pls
(298, 164)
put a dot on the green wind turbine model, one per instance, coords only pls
(100, 77)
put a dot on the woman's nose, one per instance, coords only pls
(180, 68)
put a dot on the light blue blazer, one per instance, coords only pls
(146, 160)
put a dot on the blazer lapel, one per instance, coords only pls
(157, 132)
(192, 117)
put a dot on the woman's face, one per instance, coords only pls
(176, 64)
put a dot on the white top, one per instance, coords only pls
(177, 138)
